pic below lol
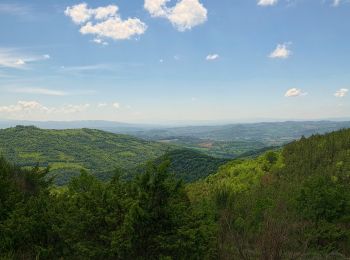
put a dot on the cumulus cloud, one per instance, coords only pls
(212, 57)
(282, 51)
(294, 92)
(27, 107)
(78, 13)
(115, 28)
(185, 15)
(15, 58)
(23, 106)
(105, 22)
(267, 2)
(341, 92)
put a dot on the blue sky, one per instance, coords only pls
(160, 61)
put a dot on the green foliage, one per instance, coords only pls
(149, 217)
(288, 204)
(284, 205)
(188, 165)
(220, 149)
(69, 151)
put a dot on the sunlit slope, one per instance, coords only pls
(69, 151)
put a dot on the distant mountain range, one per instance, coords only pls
(93, 124)
(223, 141)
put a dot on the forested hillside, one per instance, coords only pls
(186, 164)
(69, 151)
(283, 205)
(287, 204)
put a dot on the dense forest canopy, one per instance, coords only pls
(69, 151)
(286, 204)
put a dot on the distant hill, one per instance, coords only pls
(69, 151)
(94, 124)
(222, 141)
(237, 140)
(188, 165)
(270, 133)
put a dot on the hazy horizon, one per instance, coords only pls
(178, 122)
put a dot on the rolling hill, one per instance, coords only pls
(186, 164)
(69, 151)
(222, 141)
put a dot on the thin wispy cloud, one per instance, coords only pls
(14, 9)
(336, 2)
(104, 22)
(185, 15)
(40, 91)
(86, 68)
(18, 59)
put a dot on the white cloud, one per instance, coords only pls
(100, 105)
(85, 68)
(15, 58)
(40, 91)
(212, 57)
(115, 28)
(185, 15)
(341, 92)
(20, 62)
(295, 92)
(100, 41)
(46, 56)
(79, 13)
(22, 108)
(267, 2)
(116, 105)
(281, 52)
(105, 22)
(105, 12)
